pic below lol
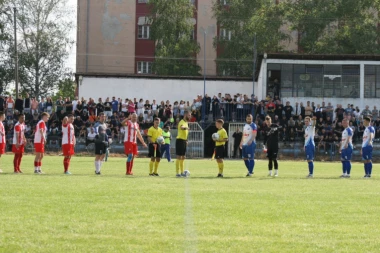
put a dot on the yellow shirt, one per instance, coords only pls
(154, 133)
(182, 134)
(222, 135)
(166, 136)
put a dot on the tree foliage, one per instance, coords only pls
(239, 21)
(6, 60)
(172, 31)
(66, 88)
(43, 44)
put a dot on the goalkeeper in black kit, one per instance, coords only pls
(271, 145)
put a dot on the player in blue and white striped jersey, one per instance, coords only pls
(366, 151)
(346, 149)
(309, 143)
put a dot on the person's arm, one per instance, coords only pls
(139, 136)
(42, 132)
(123, 123)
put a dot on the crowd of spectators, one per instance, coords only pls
(232, 108)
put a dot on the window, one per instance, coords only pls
(142, 1)
(144, 67)
(371, 81)
(144, 32)
(225, 34)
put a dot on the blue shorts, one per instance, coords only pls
(367, 153)
(310, 150)
(346, 154)
(248, 151)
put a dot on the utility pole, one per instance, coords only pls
(254, 64)
(16, 52)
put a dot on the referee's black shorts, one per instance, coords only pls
(272, 154)
(180, 147)
(151, 150)
(100, 148)
(219, 152)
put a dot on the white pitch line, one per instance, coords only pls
(190, 240)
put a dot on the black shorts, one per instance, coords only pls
(272, 154)
(151, 151)
(180, 147)
(219, 152)
(100, 149)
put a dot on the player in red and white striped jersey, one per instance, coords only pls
(39, 142)
(2, 135)
(131, 131)
(68, 141)
(19, 142)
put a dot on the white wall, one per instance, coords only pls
(158, 89)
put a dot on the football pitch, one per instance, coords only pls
(84, 212)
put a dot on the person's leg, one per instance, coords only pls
(151, 165)
(157, 162)
(15, 161)
(36, 162)
(167, 150)
(270, 166)
(129, 164)
(275, 167)
(40, 162)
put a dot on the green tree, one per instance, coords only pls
(44, 42)
(238, 22)
(172, 31)
(66, 88)
(6, 55)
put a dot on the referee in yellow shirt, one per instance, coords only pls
(154, 148)
(181, 143)
(219, 145)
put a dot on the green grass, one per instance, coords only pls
(114, 213)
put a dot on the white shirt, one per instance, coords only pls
(130, 131)
(124, 107)
(154, 107)
(345, 135)
(37, 135)
(248, 132)
(20, 129)
(75, 102)
(309, 135)
(68, 134)
(368, 132)
(91, 136)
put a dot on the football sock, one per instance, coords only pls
(348, 167)
(156, 167)
(251, 166)
(15, 162)
(35, 165)
(151, 167)
(311, 168)
(366, 170)
(181, 165)
(128, 166)
(39, 165)
(221, 167)
(270, 164)
(177, 166)
(130, 169)
(275, 164)
(246, 164)
(19, 161)
(66, 164)
(369, 168)
(344, 169)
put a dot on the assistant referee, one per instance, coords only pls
(181, 143)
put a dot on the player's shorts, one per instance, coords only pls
(346, 154)
(310, 150)
(68, 149)
(180, 147)
(248, 151)
(20, 149)
(151, 150)
(272, 154)
(100, 148)
(2, 148)
(130, 148)
(219, 152)
(367, 153)
(39, 147)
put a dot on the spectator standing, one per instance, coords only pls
(2, 102)
(302, 110)
(140, 107)
(339, 113)
(124, 107)
(215, 108)
(131, 107)
(59, 107)
(279, 109)
(79, 108)
(308, 109)
(75, 102)
(99, 107)
(318, 112)
(69, 106)
(288, 109)
(237, 135)
(49, 105)
(107, 108)
(329, 111)
(19, 104)
(42, 106)
(2, 136)
(375, 113)
(115, 105)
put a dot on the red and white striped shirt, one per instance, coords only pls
(68, 134)
(2, 139)
(130, 131)
(20, 130)
(38, 137)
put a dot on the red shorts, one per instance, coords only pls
(39, 147)
(20, 149)
(130, 148)
(2, 148)
(67, 149)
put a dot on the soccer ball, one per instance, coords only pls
(160, 140)
(187, 173)
(215, 136)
